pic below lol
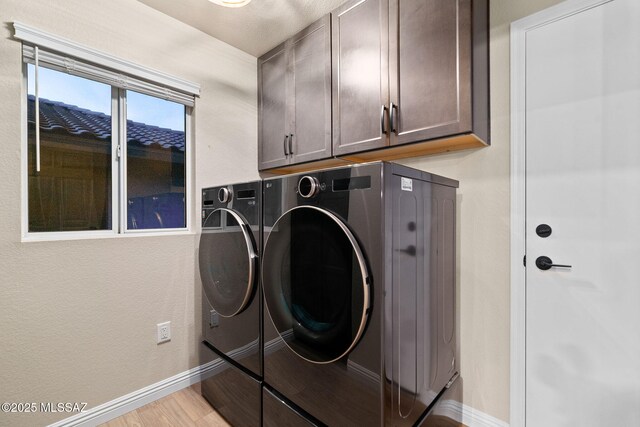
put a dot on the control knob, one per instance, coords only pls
(308, 186)
(224, 195)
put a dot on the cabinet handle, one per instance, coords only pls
(392, 122)
(285, 145)
(382, 110)
(290, 143)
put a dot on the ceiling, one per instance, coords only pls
(255, 28)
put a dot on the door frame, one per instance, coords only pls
(518, 38)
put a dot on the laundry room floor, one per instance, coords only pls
(185, 408)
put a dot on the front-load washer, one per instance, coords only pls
(358, 271)
(232, 299)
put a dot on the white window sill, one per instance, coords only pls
(97, 235)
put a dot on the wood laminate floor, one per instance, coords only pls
(184, 408)
(187, 408)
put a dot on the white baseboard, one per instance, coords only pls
(467, 415)
(127, 403)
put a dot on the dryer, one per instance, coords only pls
(232, 299)
(358, 273)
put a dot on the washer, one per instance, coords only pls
(359, 283)
(232, 299)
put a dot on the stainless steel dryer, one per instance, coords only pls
(232, 299)
(358, 274)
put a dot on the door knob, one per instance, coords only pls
(545, 263)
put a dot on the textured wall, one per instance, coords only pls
(78, 318)
(484, 231)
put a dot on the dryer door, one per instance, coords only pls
(228, 261)
(316, 284)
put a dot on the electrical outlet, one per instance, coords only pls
(164, 332)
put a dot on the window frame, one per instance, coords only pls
(123, 164)
(118, 176)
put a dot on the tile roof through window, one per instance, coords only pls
(57, 116)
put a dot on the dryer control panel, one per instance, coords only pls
(242, 198)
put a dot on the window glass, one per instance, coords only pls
(72, 191)
(155, 163)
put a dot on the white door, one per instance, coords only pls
(583, 180)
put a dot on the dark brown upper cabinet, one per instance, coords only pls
(294, 99)
(409, 71)
(360, 76)
(273, 128)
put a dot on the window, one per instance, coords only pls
(107, 153)
(155, 163)
(72, 189)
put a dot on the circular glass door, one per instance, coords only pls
(227, 261)
(316, 284)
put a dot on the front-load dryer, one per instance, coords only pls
(358, 277)
(228, 257)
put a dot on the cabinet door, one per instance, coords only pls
(429, 69)
(272, 106)
(360, 75)
(310, 100)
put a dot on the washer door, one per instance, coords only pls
(316, 284)
(228, 261)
